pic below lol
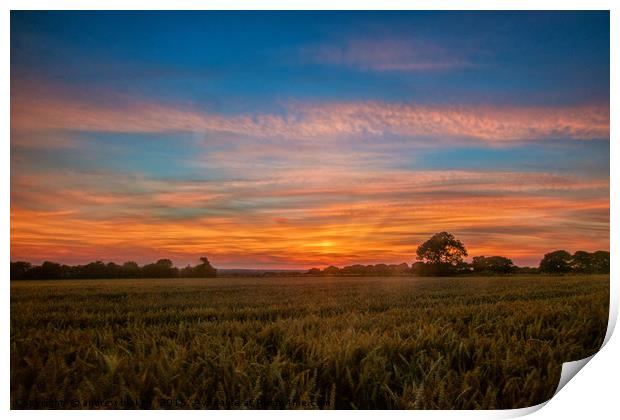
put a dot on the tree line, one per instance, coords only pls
(163, 268)
(443, 255)
(363, 270)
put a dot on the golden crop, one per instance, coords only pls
(394, 342)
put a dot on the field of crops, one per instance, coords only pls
(495, 342)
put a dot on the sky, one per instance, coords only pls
(303, 139)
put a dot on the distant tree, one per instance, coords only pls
(479, 264)
(164, 262)
(582, 262)
(68, 272)
(442, 254)
(314, 272)
(380, 270)
(463, 268)
(93, 270)
(399, 269)
(494, 265)
(163, 268)
(187, 271)
(151, 271)
(348, 270)
(19, 270)
(113, 270)
(354, 270)
(331, 271)
(130, 269)
(205, 269)
(601, 262)
(556, 262)
(47, 270)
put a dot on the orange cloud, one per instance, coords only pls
(298, 221)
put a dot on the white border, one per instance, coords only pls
(594, 394)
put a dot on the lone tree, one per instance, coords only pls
(442, 253)
(442, 248)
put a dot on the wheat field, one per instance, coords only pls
(301, 342)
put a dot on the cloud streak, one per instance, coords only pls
(328, 121)
(296, 219)
(385, 55)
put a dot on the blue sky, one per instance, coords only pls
(530, 58)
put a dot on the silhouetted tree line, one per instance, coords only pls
(364, 270)
(580, 262)
(442, 255)
(163, 268)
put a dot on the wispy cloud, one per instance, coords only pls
(385, 55)
(319, 121)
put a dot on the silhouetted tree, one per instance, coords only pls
(399, 269)
(205, 269)
(601, 262)
(463, 268)
(69, 272)
(354, 270)
(93, 270)
(590, 262)
(331, 271)
(442, 254)
(380, 270)
(19, 269)
(161, 269)
(112, 270)
(442, 248)
(187, 271)
(130, 269)
(556, 262)
(47, 270)
(495, 265)
(582, 262)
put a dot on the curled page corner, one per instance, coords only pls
(613, 313)
(518, 412)
(570, 369)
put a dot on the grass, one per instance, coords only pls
(427, 343)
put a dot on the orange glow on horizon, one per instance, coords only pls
(331, 235)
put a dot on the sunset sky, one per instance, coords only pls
(293, 140)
